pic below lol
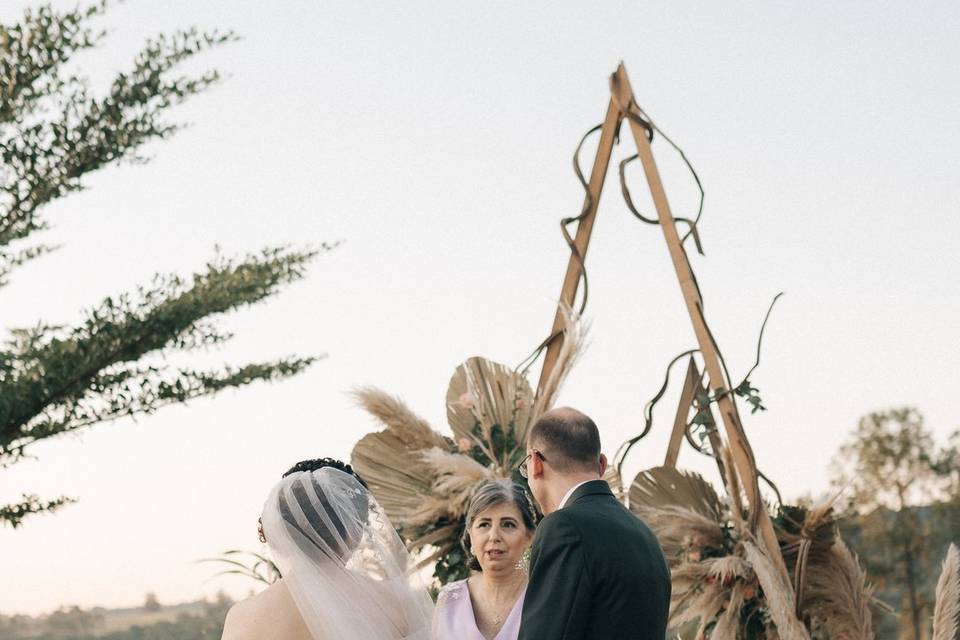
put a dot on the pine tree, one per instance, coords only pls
(53, 132)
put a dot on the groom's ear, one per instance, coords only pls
(536, 467)
(603, 464)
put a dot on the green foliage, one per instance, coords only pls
(57, 380)
(257, 567)
(54, 131)
(13, 514)
(452, 565)
(751, 395)
(890, 461)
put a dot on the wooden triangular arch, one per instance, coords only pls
(623, 106)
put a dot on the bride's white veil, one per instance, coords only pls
(343, 563)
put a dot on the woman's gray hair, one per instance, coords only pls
(491, 494)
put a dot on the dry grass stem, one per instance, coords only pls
(574, 342)
(947, 607)
(777, 592)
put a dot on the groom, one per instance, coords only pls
(596, 570)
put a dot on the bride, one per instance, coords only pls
(346, 574)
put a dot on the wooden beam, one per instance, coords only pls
(692, 386)
(739, 446)
(581, 241)
(687, 396)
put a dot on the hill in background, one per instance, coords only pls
(200, 620)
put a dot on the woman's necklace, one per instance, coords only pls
(500, 613)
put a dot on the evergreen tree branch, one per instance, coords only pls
(130, 393)
(9, 260)
(33, 52)
(54, 376)
(45, 158)
(13, 514)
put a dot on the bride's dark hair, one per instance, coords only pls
(328, 525)
(320, 463)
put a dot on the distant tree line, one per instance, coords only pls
(195, 621)
(901, 510)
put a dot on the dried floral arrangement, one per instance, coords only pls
(724, 585)
(424, 479)
(741, 569)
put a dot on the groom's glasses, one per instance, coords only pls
(522, 467)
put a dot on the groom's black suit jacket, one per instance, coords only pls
(596, 571)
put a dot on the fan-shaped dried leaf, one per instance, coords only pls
(662, 486)
(456, 477)
(689, 573)
(729, 622)
(389, 461)
(677, 528)
(396, 475)
(483, 395)
(946, 612)
(704, 606)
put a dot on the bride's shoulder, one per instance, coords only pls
(452, 592)
(247, 618)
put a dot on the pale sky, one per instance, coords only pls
(434, 139)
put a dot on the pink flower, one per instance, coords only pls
(466, 400)
(464, 445)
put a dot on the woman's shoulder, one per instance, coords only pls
(270, 609)
(452, 591)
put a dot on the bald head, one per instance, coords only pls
(568, 438)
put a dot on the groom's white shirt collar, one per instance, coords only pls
(570, 493)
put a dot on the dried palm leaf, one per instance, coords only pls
(686, 574)
(777, 592)
(455, 467)
(729, 622)
(437, 536)
(662, 486)
(947, 609)
(704, 607)
(807, 539)
(837, 595)
(702, 589)
(389, 461)
(679, 528)
(726, 569)
(484, 397)
(431, 509)
(394, 472)
(456, 478)
(574, 341)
